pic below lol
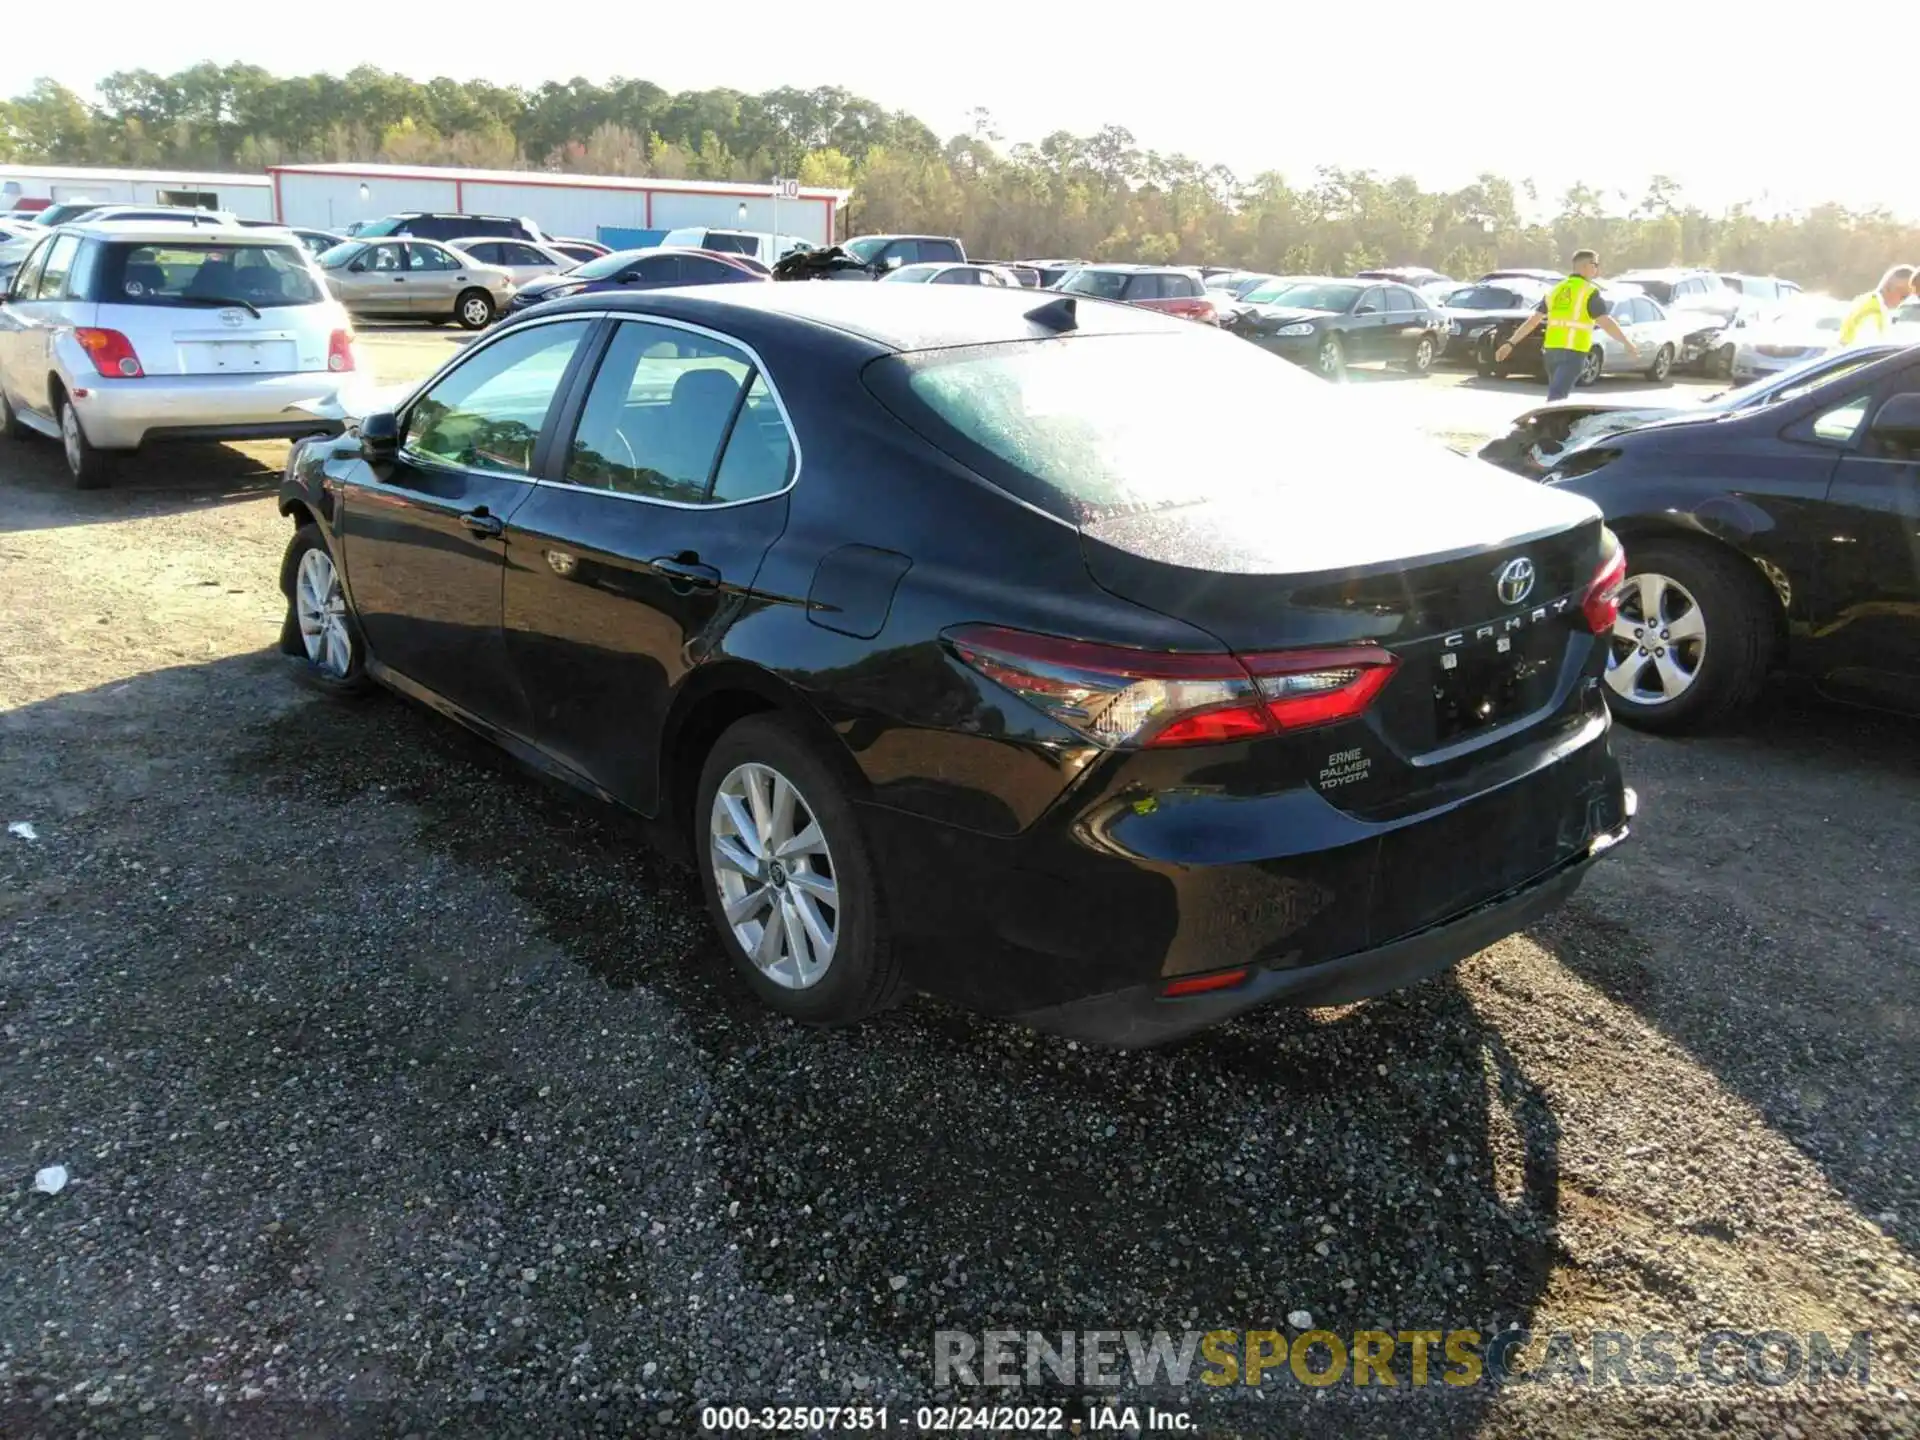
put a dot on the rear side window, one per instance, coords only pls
(486, 252)
(939, 250)
(1145, 287)
(53, 278)
(264, 276)
(488, 413)
(660, 422)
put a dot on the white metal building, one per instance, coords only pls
(248, 196)
(332, 196)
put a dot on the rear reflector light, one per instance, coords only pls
(1601, 604)
(1119, 697)
(340, 350)
(111, 353)
(1200, 984)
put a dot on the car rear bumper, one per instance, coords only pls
(124, 414)
(1079, 923)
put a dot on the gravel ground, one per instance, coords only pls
(401, 1093)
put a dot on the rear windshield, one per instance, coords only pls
(265, 276)
(1661, 290)
(1098, 425)
(1103, 284)
(607, 266)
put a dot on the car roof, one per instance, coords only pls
(891, 318)
(147, 232)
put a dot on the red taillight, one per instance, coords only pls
(1206, 314)
(1200, 984)
(340, 350)
(1601, 604)
(111, 353)
(1118, 697)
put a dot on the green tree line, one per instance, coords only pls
(1085, 196)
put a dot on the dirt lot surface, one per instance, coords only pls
(399, 1093)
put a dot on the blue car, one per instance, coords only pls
(653, 269)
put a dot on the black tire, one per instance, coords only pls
(863, 976)
(329, 680)
(1723, 362)
(1330, 360)
(1421, 361)
(473, 310)
(91, 468)
(1593, 367)
(1661, 371)
(1738, 610)
(11, 427)
(1484, 364)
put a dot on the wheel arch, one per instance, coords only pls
(1768, 581)
(713, 699)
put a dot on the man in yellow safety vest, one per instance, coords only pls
(1570, 312)
(1873, 311)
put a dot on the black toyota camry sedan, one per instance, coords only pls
(1327, 323)
(961, 659)
(1775, 529)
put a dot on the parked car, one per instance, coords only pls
(580, 249)
(1166, 288)
(1785, 336)
(445, 225)
(1052, 272)
(967, 274)
(13, 252)
(755, 244)
(415, 279)
(1228, 291)
(14, 229)
(1680, 289)
(1024, 274)
(1430, 283)
(1761, 290)
(317, 242)
(1542, 437)
(524, 260)
(1479, 317)
(122, 334)
(176, 214)
(648, 269)
(888, 252)
(65, 210)
(1660, 341)
(960, 658)
(1545, 277)
(1328, 323)
(1766, 537)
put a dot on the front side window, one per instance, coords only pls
(658, 419)
(27, 280)
(1374, 301)
(382, 258)
(183, 273)
(1144, 287)
(487, 414)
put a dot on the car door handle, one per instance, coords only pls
(685, 572)
(482, 523)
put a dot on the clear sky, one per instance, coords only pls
(1738, 102)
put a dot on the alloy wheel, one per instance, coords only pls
(71, 439)
(775, 874)
(475, 312)
(1423, 355)
(1330, 357)
(1590, 367)
(321, 607)
(1658, 642)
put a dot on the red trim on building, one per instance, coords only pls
(460, 196)
(278, 214)
(560, 182)
(649, 195)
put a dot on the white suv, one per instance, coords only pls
(115, 335)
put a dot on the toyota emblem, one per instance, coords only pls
(232, 319)
(1515, 581)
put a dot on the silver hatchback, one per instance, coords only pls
(113, 336)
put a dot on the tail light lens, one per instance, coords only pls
(1601, 605)
(111, 353)
(1122, 698)
(340, 350)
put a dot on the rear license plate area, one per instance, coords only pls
(1483, 688)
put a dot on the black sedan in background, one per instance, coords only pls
(653, 269)
(960, 658)
(1327, 324)
(1776, 530)
(1480, 317)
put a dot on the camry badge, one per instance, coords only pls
(1515, 581)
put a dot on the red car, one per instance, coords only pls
(1170, 289)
